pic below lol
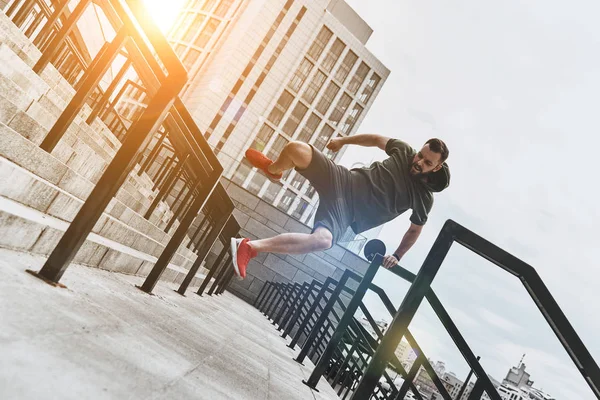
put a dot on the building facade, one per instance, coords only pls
(266, 72)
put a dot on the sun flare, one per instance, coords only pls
(164, 12)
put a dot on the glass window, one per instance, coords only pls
(358, 78)
(190, 59)
(345, 67)
(281, 107)
(369, 88)
(184, 27)
(256, 183)
(333, 55)
(294, 119)
(340, 109)
(223, 7)
(300, 209)
(323, 137)
(207, 32)
(287, 200)
(262, 138)
(352, 118)
(271, 192)
(309, 128)
(300, 75)
(314, 86)
(279, 144)
(241, 173)
(297, 181)
(320, 42)
(194, 28)
(208, 5)
(327, 98)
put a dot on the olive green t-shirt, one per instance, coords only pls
(386, 189)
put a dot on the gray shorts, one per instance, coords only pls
(333, 184)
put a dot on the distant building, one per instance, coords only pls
(517, 385)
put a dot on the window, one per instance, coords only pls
(262, 138)
(223, 7)
(297, 181)
(340, 109)
(333, 55)
(320, 42)
(345, 67)
(207, 33)
(327, 98)
(185, 24)
(256, 183)
(242, 172)
(275, 150)
(309, 128)
(294, 119)
(208, 5)
(310, 192)
(369, 88)
(191, 58)
(194, 28)
(314, 86)
(323, 137)
(358, 78)
(300, 75)
(271, 192)
(287, 200)
(352, 118)
(300, 209)
(281, 107)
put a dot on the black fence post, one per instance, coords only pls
(344, 321)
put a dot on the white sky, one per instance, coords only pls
(513, 88)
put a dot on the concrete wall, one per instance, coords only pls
(260, 220)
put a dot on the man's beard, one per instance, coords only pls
(415, 171)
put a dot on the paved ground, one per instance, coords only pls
(104, 339)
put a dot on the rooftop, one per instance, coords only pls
(103, 337)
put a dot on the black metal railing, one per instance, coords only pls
(355, 362)
(162, 138)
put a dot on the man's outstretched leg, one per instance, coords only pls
(243, 250)
(293, 155)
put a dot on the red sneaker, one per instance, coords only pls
(241, 254)
(262, 162)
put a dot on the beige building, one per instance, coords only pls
(265, 72)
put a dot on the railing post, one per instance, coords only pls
(294, 305)
(222, 285)
(216, 266)
(204, 250)
(298, 311)
(176, 239)
(61, 35)
(109, 182)
(406, 312)
(109, 90)
(311, 312)
(345, 320)
(89, 81)
(263, 290)
(220, 275)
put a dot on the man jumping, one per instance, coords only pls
(361, 198)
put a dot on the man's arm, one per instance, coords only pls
(410, 237)
(365, 139)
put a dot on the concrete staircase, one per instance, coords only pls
(40, 193)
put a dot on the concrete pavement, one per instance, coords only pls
(102, 338)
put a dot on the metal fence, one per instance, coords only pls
(161, 139)
(321, 318)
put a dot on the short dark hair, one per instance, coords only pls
(438, 146)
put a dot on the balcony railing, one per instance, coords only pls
(321, 315)
(161, 140)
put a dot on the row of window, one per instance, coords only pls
(196, 27)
